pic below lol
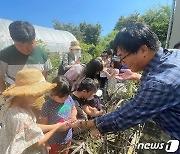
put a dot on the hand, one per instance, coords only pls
(95, 133)
(93, 109)
(100, 113)
(105, 69)
(64, 126)
(74, 124)
(126, 74)
(73, 118)
(78, 124)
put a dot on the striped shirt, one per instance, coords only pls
(58, 112)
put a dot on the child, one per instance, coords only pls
(59, 108)
(95, 100)
(87, 89)
(19, 132)
(114, 70)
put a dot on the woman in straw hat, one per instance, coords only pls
(19, 132)
(71, 58)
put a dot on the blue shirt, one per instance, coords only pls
(58, 112)
(157, 98)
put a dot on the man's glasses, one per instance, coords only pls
(122, 59)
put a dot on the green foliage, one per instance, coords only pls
(70, 27)
(42, 45)
(90, 33)
(55, 61)
(158, 20)
(54, 56)
(125, 21)
(87, 50)
(105, 43)
(86, 57)
(94, 45)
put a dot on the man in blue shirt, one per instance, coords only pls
(158, 96)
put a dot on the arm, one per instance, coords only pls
(46, 136)
(109, 74)
(45, 127)
(151, 99)
(44, 120)
(74, 113)
(52, 129)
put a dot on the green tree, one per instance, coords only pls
(109, 39)
(125, 21)
(105, 43)
(90, 32)
(70, 27)
(86, 49)
(158, 20)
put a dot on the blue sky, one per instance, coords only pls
(105, 12)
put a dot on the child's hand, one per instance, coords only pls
(73, 118)
(74, 124)
(95, 133)
(104, 69)
(78, 124)
(100, 113)
(93, 109)
(63, 126)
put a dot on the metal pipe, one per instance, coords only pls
(170, 24)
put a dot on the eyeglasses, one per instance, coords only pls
(122, 59)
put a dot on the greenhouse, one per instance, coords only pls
(54, 40)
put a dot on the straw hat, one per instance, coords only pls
(29, 82)
(75, 45)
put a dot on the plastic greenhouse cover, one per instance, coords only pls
(54, 40)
